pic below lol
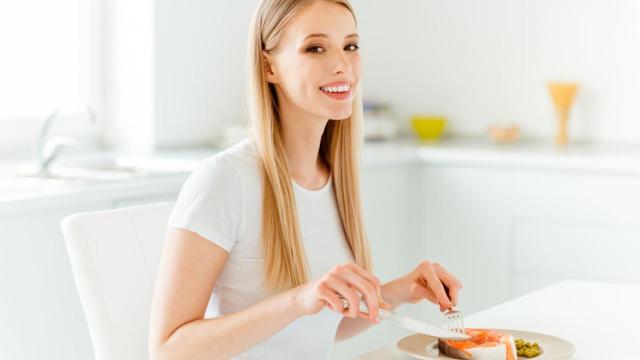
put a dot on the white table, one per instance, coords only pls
(600, 319)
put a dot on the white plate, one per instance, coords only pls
(426, 347)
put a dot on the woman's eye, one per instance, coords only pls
(313, 49)
(353, 47)
(319, 49)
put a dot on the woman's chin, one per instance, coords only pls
(340, 115)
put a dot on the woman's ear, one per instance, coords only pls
(268, 67)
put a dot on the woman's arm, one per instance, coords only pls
(189, 269)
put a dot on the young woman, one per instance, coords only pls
(266, 235)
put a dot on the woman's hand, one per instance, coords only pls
(351, 282)
(428, 281)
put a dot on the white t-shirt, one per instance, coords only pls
(222, 202)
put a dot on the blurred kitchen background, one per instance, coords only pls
(120, 100)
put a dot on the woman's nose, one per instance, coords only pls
(341, 63)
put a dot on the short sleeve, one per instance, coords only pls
(210, 203)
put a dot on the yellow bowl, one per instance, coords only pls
(428, 127)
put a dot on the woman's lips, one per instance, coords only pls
(337, 95)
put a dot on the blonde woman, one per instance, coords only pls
(267, 234)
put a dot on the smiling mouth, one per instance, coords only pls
(336, 89)
(338, 95)
(339, 92)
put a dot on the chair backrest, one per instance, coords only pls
(115, 256)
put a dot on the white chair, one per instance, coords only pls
(115, 256)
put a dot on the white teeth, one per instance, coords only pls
(336, 88)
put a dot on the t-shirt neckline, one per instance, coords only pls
(315, 192)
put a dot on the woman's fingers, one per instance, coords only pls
(331, 298)
(423, 291)
(352, 282)
(453, 295)
(453, 284)
(371, 278)
(340, 287)
(428, 273)
(360, 313)
(366, 288)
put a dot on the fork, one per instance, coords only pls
(455, 320)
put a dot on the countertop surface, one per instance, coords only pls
(608, 159)
(533, 154)
(580, 156)
(599, 319)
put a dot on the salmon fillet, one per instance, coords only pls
(484, 344)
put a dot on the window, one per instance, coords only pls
(49, 54)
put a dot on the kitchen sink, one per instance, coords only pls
(131, 165)
(24, 179)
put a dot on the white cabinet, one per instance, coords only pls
(506, 231)
(386, 211)
(574, 226)
(41, 313)
(465, 226)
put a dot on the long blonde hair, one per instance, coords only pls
(285, 260)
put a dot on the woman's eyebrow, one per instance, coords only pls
(354, 35)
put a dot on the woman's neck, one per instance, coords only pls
(302, 135)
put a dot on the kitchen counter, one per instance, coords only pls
(598, 318)
(533, 155)
(526, 154)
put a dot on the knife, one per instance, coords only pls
(410, 323)
(422, 327)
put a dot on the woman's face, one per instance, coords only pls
(316, 65)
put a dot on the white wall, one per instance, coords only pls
(175, 71)
(200, 68)
(129, 75)
(480, 62)
(477, 62)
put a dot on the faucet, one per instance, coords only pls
(48, 148)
